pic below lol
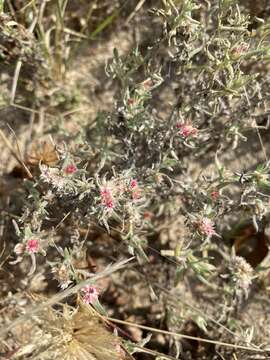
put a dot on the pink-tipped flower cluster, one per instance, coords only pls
(70, 169)
(133, 183)
(206, 227)
(118, 191)
(135, 191)
(214, 195)
(90, 294)
(107, 198)
(186, 130)
(32, 246)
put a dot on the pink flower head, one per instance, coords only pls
(206, 227)
(90, 294)
(70, 169)
(107, 198)
(105, 192)
(109, 203)
(186, 130)
(133, 183)
(32, 246)
(135, 191)
(214, 195)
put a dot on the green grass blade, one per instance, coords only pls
(105, 23)
(2, 6)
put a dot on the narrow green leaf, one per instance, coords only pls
(105, 23)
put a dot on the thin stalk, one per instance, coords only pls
(184, 336)
(2, 6)
(58, 66)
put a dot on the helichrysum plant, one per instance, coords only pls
(147, 162)
(141, 159)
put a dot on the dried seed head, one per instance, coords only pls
(72, 335)
(242, 274)
(61, 274)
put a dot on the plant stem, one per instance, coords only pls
(2, 6)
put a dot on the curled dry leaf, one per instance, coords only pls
(44, 153)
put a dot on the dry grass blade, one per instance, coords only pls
(137, 8)
(13, 153)
(15, 81)
(183, 336)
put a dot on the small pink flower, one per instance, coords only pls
(214, 195)
(70, 169)
(32, 246)
(186, 130)
(109, 203)
(133, 183)
(107, 198)
(135, 191)
(90, 294)
(206, 227)
(105, 192)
